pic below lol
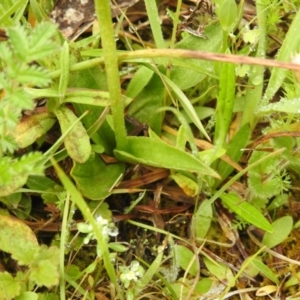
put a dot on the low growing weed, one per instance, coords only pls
(152, 158)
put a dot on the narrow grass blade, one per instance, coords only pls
(153, 16)
(149, 273)
(85, 210)
(225, 104)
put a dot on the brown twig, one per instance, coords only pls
(191, 54)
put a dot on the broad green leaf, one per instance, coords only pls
(23, 208)
(289, 106)
(44, 267)
(117, 247)
(183, 76)
(18, 239)
(11, 200)
(202, 220)
(246, 211)
(32, 127)
(227, 13)
(282, 229)
(98, 149)
(289, 47)
(192, 67)
(248, 268)
(27, 296)
(265, 270)
(9, 287)
(204, 285)
(222, 272)
(140, 79)
(40, 183)
(77, 142)
(159, 154)
(147, 102)
(44, 274)
(95, 178)
(181, 290)
(183, 258)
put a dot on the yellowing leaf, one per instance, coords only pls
(189, 186)
(266, 290)
(77, 142)
(18, 239)
(32, 127)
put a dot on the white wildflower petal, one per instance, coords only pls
(113, 231)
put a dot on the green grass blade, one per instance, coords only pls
(85, 210)
(5, 18)
(154, 20)
(186, 104)
(149, 273)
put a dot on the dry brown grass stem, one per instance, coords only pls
(191, 54)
